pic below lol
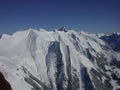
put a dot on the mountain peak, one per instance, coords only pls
(115, 33)
(63, 29)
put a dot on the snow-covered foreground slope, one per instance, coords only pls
(58, 60)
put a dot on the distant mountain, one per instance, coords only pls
(113, 40)
(60, 60)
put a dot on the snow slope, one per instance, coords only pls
(58, 60)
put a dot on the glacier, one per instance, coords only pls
(60, 60)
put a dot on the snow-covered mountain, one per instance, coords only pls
(59, 60)
(113, 40)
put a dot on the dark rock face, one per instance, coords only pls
(115, 77)
(34, 81)
(55, 49)
(4, 85)
(116, 63)
(97, 80)
(0, 36)
(86, 79)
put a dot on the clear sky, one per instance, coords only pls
(87, 15)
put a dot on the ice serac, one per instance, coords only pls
(59, 60)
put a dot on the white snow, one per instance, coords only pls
(29, 48)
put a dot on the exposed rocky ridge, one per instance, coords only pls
(4, 85)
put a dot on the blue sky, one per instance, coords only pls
(87, 15)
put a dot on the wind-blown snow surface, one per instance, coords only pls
(58, 60)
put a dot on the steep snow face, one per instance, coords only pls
(57, 60)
